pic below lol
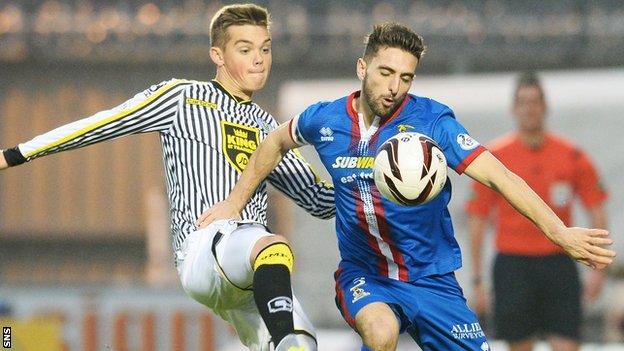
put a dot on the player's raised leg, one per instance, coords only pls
(265, 264)
(272, 262)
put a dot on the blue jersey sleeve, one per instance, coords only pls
(459, 148)
(305, 124)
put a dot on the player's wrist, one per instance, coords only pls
(235, 204)
(557, 234)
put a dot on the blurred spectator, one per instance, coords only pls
(537, 289)
(572, 32)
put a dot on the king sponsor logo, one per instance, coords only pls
(239, 142)
(354, 162)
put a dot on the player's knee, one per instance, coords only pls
(380, 338)
(273, 239)
(380, 332)
(273, 251)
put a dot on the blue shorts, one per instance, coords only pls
(432, 309)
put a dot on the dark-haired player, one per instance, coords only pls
(397, 262)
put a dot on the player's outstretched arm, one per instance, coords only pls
(583, 244)
(262, 162)
(148, 111)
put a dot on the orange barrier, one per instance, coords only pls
(120, 341)
(178, 324)
(206, 333)
(89, 332)
(178, 337)
(147, 332)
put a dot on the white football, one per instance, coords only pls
(410, 169)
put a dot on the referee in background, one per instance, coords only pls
(208, 131)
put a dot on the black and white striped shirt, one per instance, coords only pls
(207, 137)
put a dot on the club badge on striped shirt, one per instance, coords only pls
(239, 142)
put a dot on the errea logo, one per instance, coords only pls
(326, 134)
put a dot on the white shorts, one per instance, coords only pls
(215, 270)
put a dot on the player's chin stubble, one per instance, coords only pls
(376, 104)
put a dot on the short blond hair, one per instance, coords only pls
(236, 15)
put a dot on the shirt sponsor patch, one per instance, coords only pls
(204, 103)
(467, 331)
(466, 142)
(239, 142)
(354, 162)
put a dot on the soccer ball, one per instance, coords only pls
(410, 169)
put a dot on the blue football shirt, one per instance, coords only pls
(399, 242)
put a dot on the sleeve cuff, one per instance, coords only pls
(468, 160)
(296, 137)
(13, 156)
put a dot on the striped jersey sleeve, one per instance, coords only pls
(151, 110)
(296, 179)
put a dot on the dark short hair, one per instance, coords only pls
(236, 15)
(393, 35)
(528, 79)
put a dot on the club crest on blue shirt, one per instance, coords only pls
(404, 127)
(358, 289)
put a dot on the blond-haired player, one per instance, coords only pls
(208, 131)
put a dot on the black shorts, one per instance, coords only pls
(536, 296)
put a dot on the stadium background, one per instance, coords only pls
(85, 259)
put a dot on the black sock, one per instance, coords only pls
(273, 296)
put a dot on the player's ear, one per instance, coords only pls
(216, 55)
(361, 68)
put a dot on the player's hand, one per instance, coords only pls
(222, 210)
(587, 246)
